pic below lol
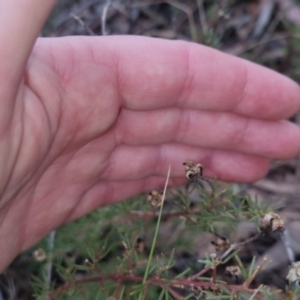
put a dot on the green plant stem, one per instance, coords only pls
(156, 232)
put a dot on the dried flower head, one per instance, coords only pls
(39, 254)
(294, 273)
(139, 245)
(193, 170)
(155, 198)
(233, 271)
(273, 222)
(221, 243)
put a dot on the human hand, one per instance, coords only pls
(93, 120)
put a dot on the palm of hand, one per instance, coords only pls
(86, 130)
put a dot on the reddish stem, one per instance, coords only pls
(151, 280)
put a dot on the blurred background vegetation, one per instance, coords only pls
(118, 238)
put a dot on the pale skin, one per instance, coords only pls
(89, 121)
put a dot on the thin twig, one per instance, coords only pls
(256, 292)
(202, 272)
(236, 246)
(214, 275)
(190, 16)
(257, 270)
(145, 291)
(151, 280)
(251, 47)
(10, 289)
(263, 18)
(103, 17)
(278, 187)
(118, 291)
(83, 24)
(202, 17)
(286, 240)
(172, 292)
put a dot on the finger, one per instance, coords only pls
(271, 139)
(21, 23)
(133, 162)
(155, 73)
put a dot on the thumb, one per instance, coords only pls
(20, 24)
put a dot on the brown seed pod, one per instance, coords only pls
(193, 170)
(221, 243)
(272, 222)
(294, 273)
(155, 198)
